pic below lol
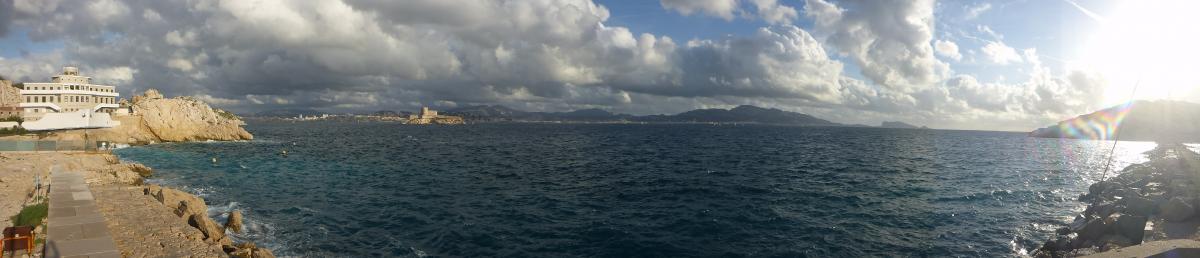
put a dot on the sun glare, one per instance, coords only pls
(1154, 44)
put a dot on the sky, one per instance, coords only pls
(981, 65)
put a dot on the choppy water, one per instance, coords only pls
(381, 189)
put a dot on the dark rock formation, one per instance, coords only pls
(1159, 192)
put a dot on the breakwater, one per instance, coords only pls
(1151, 201)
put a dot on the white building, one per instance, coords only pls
(69, 101)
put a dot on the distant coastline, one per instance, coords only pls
(741, 115)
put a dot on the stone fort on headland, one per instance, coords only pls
(429, 116)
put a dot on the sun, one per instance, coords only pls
(1153, 44)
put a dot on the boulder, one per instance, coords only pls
(1137, 205)
(1131, 227)
(182, 209)
(1094, 229)
(1101, 210)
(1177, 209)
(175, 198)
(235, 221)
(211, 230)
(263, 253)
(1098, 188)
(142, 170)
(242, 253)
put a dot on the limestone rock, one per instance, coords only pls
(174, 199)
(211, 230)
(263, 253)
(186, 119)
(142, 170)
(235, 221)
(1177, 209)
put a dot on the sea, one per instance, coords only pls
(378, 189)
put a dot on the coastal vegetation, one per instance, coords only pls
(31, 215)
(12, 131)
(17, 119)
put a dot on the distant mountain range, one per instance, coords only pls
(898, 124)
(744, 114)
(740, 114)
(1161, 120)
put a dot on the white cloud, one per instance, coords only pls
(948, 49)
(538, 55)
(974, 11)
(720, 8)
(769, 11)
(888, 40)
(774, 13)
(999, 53)
(988, 31)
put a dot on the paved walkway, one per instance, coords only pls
(76, 228)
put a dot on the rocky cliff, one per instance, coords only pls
(186, 119)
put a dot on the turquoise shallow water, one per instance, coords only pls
(551, 190)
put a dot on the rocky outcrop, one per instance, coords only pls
(1161, 193)
(235, 221)
(9, 96)
(142, 170)
(440, 120)
(186, 119)
(191, 208)
(248, 250)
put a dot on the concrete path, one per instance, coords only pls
(76, 228)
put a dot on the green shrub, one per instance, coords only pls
(12, 131)
(17, 119)
(227, 115)
(31, 215)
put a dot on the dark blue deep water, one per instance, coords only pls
(551, 190)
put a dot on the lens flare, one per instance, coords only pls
(1102, 125)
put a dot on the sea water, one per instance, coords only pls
(352, 189)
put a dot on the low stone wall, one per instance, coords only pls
(83, 119)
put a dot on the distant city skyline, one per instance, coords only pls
(1003, 65)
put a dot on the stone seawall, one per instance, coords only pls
(1147, 202)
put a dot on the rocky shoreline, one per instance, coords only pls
(1142, 203)
(146, 220)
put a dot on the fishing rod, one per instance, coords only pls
(1117, 134)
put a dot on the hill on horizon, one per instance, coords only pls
(1141, 120)
(739, 114)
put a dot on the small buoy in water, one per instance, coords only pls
(284, 152)
(214, 160)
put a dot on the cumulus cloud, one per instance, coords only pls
(719, 8)
(769, 11)
(888, 40)
(410, 53)
(774, 13)
(6, 15)
(947, 49)
(999, 53)
(536, 55)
